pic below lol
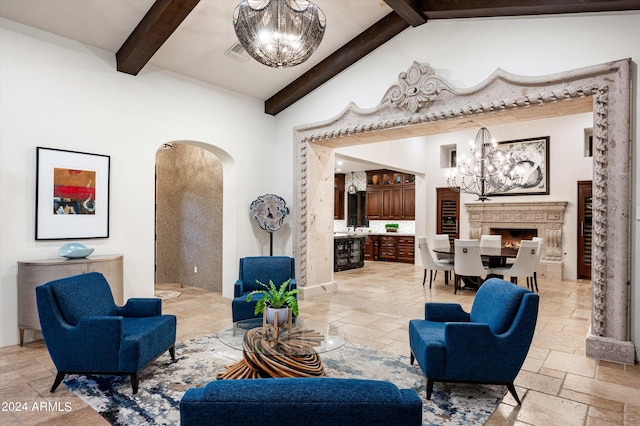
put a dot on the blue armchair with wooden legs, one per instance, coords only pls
(87, 333)
(262, 268)
(487, 345)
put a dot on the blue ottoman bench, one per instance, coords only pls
(301, 401)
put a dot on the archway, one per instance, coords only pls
(205, 171)
(423, 103)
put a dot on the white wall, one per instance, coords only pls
(467, 51)
(60, 94)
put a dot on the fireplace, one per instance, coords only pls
(524, 221)
(511, 237)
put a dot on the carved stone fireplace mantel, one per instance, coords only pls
(546, 218)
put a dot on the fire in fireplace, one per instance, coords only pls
(511, 237)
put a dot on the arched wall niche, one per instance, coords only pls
(421, 103)
(229, 211)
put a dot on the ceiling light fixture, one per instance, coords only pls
(487, 172)
(352, 188)
(279, 33)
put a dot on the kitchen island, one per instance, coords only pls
(352, 249)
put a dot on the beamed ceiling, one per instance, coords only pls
(185, 21)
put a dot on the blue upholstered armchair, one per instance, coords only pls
(263, 268)
(487, 345)
(87, 333)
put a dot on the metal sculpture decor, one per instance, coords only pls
(269, 211)
(279, 33)
(488, 171)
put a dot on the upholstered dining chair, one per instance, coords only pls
(524, 265)
(430, 264)
(487, 345)
(467, 263)
(87, 333)
(491, 241)
(540, 241)
(442, 242)
(262, 268)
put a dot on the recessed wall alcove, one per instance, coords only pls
(421, 103)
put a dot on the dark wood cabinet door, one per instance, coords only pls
(409, 203)
(374, 204)
(387, 204)
(585, 229)
(396, 204)
(448, 212)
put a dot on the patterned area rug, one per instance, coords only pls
(163, 383)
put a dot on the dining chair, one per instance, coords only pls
(524, 264)
(540, 241)
(491, 241)
(443, 242)
(468, 262)
(429, 263)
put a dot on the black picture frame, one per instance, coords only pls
(532, 155)
(72, 194)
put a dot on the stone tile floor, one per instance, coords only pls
(558, 384)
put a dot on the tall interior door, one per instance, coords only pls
(585, 229)
(448, 213)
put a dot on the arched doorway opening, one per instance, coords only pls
(189, 215)
(423, 103)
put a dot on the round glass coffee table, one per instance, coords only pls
(285, 353)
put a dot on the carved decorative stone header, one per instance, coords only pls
(416, 88)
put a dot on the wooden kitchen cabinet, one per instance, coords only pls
(405, 248)
(373, 206)
(390, 248)
(36, 272)
(371, 244)
(387, 248)
(390, 195)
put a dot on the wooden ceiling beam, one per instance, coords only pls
(481, 8)
(154, 29)
(409, 10)
(364, 43)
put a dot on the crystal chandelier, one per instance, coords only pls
(487, 171)
(279, 33)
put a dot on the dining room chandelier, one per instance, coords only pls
(487, 171)
(279, 33)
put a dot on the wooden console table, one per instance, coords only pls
(32, 273)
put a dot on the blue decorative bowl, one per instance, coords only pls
(74, 251)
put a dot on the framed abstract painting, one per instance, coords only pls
(72, 194)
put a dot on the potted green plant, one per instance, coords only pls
(276, 298)
(391, 227)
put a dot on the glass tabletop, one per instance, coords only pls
(306, 335)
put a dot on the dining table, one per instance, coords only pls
(492, 257)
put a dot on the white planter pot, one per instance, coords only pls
(283, 315)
